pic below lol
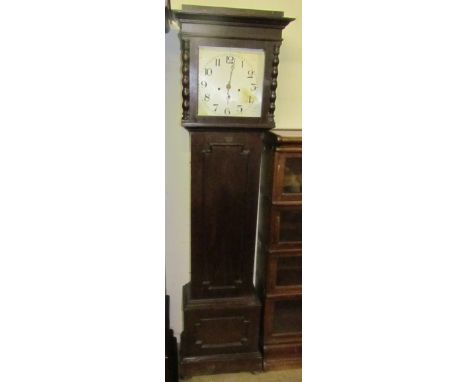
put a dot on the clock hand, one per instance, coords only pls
(232, 69)
(228, 86)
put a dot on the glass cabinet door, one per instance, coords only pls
(284, 272)
(287, 317)
(286, 226)
(288, 177)
(290, 229)
(289, 271)
(284, 318)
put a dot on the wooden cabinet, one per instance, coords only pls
(221, 309)
(279, 252)
(226, 121)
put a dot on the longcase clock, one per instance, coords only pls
(230, 63)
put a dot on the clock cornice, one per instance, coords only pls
(232, 16)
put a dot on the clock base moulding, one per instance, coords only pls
(221, 364)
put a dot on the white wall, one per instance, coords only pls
(177, 186)
(287, 116)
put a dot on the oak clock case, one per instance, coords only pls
(229, 77)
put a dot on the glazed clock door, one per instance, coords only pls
(230, 81)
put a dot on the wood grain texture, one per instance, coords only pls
(220, 335)
(225, 179)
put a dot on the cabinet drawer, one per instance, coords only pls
(284, 272)
(283, 319)
(287, 177)
(286, 227)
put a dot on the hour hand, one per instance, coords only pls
(228, 87)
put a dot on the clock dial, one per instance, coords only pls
(230, 82)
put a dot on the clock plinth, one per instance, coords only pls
(220, 335)
(229, 70)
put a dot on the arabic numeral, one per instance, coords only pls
(216, 106)
(204, 84)
(217, 62)
(250, 73)
(227, 111)
(208, 71)
(207, 97)
(253, 87)
(240, 108)
(230, 60)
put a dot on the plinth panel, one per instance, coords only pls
(220, 335)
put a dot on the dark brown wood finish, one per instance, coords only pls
(221, 335)
(225, 178)
(221, 308)
(279, 251)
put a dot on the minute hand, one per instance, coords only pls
(228, 86)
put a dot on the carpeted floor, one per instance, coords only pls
(271, 376)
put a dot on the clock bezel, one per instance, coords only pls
(249, 56)
(194, 120)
